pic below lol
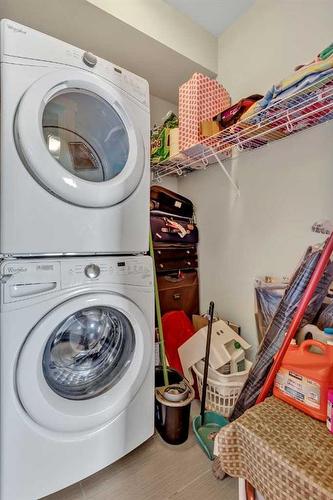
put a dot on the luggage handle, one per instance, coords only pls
(175, 279)
(306, 344)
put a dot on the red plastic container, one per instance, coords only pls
(305, 377)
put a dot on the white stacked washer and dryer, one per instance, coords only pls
(77, 308)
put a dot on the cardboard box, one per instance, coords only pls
(174, 141)
(209, 128)
(199, 322)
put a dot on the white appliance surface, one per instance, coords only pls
(77, 368)
(74, 161)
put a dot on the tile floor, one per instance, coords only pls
(155, 471)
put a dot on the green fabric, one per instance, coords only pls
(324, 54)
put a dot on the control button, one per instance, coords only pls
(92, 271)
(89, 59)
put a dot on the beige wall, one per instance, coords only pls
(159, 108)
(164, 23)
(284, 187)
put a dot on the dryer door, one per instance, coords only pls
(84, 362)
(77, 139)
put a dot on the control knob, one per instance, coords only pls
(89, 59)
(92, 271)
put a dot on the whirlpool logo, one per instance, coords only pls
(15, 270)
(16, 29)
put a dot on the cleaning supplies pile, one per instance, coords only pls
(228, 366)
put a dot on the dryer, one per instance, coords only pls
(77, 368)
(74, 150)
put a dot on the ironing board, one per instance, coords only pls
(282, 452)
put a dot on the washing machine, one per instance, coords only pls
(77, 368)
(74, 170)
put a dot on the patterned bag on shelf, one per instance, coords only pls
(200, 98)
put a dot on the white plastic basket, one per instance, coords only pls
(222, 390)
(238, 377)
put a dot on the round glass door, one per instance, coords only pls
(85, 135)
(81, 139)
(84, 362)
(88, 353)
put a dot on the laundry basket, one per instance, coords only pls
(222, 390)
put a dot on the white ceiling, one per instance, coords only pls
(213, 15)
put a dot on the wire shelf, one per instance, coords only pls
(301, 110)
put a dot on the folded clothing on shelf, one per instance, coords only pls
(303, 77)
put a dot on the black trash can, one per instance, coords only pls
(174, 376)
(171, 418)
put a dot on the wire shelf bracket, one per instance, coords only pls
(224, 169)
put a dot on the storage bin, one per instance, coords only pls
(239, 377)
(222, 390)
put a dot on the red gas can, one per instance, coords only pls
(305, 377)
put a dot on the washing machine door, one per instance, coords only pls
(77, 138)
(84, 362)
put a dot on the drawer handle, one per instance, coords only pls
(176, 296)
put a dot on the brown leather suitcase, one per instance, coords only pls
(165, 251)
(176, 265)
(168, 201)
(179, 291)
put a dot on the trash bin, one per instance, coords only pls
(172, 418)
(174, 376)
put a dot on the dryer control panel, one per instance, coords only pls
(18, 41)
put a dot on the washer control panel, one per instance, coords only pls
(123, 270)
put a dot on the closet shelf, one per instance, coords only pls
(301, 110)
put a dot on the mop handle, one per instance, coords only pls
(204, 382)
(158, 314)
(304, 302)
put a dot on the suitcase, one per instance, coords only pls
(175, 257)
(164, 200)
(171, 229)
(177, 265)
(165, 251)
(179, 291)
